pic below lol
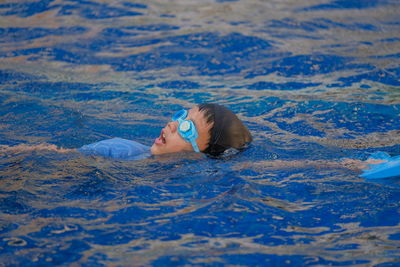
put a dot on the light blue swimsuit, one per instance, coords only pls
(117, 148)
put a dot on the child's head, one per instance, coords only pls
(218, 129)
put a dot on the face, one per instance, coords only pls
(170, 141)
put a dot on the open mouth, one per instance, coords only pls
(161, 139)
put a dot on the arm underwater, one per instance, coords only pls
(124, 149)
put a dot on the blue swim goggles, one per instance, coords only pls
(186, 128)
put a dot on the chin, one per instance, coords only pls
(156, 150)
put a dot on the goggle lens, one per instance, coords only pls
(186, 128)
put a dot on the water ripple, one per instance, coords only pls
(315, 83)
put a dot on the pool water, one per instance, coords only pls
(315, 81)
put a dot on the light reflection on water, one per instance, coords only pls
(315, 82)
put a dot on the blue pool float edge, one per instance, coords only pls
(389, 168)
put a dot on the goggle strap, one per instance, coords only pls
(194, 145)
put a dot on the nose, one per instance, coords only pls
(173, 126)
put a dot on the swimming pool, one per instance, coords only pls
(315, 81)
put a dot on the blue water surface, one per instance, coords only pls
(316, 82)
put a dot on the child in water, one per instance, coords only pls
(211, 129)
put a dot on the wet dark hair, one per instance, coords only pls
(227, 131)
